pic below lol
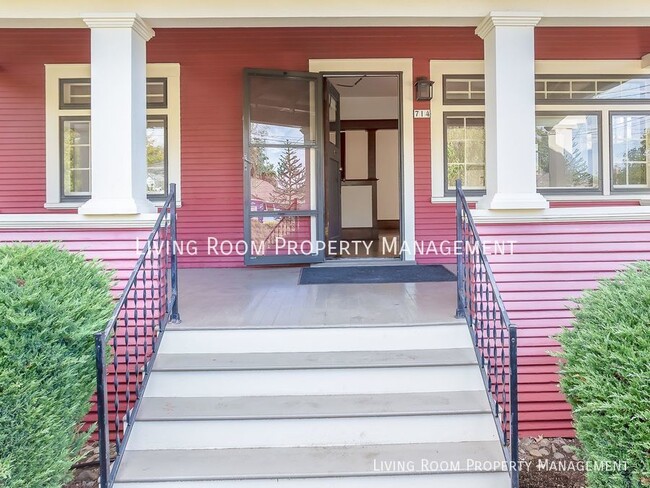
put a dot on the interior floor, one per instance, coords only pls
(387, 245)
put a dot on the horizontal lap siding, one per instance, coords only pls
(22, 109)
(553, 263)
(116, 248)
(211, 106)
(212, 61)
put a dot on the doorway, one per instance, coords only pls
(367, 205)
(323, 169)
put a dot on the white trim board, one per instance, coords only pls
(559, 215)
(404, 66)
(75, 221)
(288, 13)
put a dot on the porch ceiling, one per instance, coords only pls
(258, 13)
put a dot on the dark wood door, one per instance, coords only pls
(332, 125)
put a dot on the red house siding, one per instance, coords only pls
(22, 109)
(212, 61)
(553, 263)
(117, 248)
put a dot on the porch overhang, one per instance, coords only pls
(339, 13)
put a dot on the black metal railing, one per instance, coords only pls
(494, 336)
(126, 348)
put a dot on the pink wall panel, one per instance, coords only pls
(117, 248)
(553, 263)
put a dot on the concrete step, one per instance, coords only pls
(337, 381)
(369, 338)
(314, 360)
(212, 434)
(452, 480)
(313, 406)
(372, 461)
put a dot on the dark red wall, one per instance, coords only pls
(211, 118)
(211, 104)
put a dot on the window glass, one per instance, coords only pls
(156, 155)
(282, 111)
(156, 92)
(630, 152)
(459, 89)
(465, 151)
(75, 148)
(596, 88)
(568, 154)
(75, 93)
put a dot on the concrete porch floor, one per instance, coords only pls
(254, 297)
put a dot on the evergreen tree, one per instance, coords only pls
(291, 178)
(261, 167)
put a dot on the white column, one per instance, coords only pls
(118, 115)
(645, 61)
(509, 45)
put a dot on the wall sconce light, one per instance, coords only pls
(423, 89)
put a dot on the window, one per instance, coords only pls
(468, 89)
(75, 156)
(568, 151)
(592, 89)
(592, 128)
(75, 139)
(156, 155)
(68, 133)
(465, 151)
(630, 152)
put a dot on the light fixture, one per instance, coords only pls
(423, 89)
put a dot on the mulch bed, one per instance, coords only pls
(553, 463)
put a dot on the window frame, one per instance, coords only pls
(583, 191)
(72, 106)
(162, 196)
(54, 73)
(590, 101)
(445, 115)
(72, 198)
(461, 101)
(631, 190)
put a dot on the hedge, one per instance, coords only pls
(51, 303)
(605, 375)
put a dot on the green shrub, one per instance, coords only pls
(51, 303)
(605, 375)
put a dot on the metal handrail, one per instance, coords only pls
(493, 334)
(127, 347)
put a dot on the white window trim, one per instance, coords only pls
(568, 67)
(55, 72)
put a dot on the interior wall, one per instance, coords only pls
(369, 108)
(388, 195)
(356, 154)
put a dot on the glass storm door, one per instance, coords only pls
(283, 140)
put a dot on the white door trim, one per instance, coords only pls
(404, 66)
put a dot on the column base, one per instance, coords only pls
(117, 206)
(513, 201)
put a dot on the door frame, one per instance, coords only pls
(318, 213)
(404, 68)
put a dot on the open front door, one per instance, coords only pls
(283, 154)
(332, 114)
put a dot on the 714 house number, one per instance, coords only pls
(421, 114)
